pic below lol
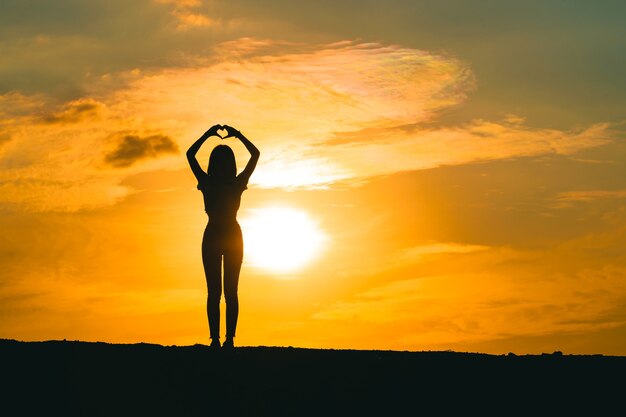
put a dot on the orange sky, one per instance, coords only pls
(442, 197)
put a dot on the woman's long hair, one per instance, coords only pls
(222, 163)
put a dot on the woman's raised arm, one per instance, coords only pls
(195, 147)
(254, 152)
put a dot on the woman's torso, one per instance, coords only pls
(222, 199)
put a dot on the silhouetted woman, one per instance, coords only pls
(222, 188)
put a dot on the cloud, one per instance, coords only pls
(395, 150)
(187, 14)
(589, 195)
(75, 111)
(189, 19)
(62, 47)
(438, 248)
(132, 148)
(14, 105)
(574, 286)
(4, 137)
(337, 113)
(345, 111)
(181, 3)
(52, 157)
(478, 306)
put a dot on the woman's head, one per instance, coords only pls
(222, 163)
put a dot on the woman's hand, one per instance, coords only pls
(232, 132)
(213, 131)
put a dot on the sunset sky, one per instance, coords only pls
(434, 174)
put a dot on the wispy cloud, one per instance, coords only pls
(75, 111)
(15, 104)
(188, 15)
(574, 286)
(63, 158)
(416, 253)
(589, 195)
(468, 307)
(346, 111)
(322, 114)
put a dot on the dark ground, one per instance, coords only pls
(98, 379)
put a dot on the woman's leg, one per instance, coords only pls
(212, 261)
(233, 257)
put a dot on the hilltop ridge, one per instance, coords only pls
(95, 378)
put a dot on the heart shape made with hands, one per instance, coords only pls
(222, 133)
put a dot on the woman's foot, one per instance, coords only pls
(229, 343)
(215, 343)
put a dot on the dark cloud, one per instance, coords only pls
(132, 148)
(4, 137)
(62, 48)
(560, 67)
(75, 112)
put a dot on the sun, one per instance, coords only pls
(280, 239)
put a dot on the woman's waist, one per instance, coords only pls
(216, 222)
(221, 231)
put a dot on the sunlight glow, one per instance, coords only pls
(280, 239)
